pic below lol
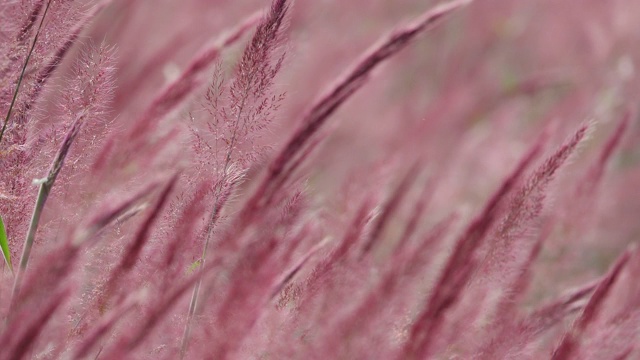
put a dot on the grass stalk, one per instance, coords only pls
(46, 184)
(43, 194)
(23, 71)
(219, 201)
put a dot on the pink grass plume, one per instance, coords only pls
(294, 151)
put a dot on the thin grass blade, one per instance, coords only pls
(4, 245)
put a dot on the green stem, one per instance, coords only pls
(193, 304)
(24, 69)
(43, 194)
(214, 214)
(46, 185)
(192, 312)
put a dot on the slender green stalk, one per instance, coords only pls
(192, 312)
(256, 58)
(43, 194)
(46, 185)
(220, 199)
(24, 69)
(193, 304)
(4, 245)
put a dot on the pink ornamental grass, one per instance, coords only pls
(198, 200)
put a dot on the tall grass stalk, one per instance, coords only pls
(24, 69)
(45, 186)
